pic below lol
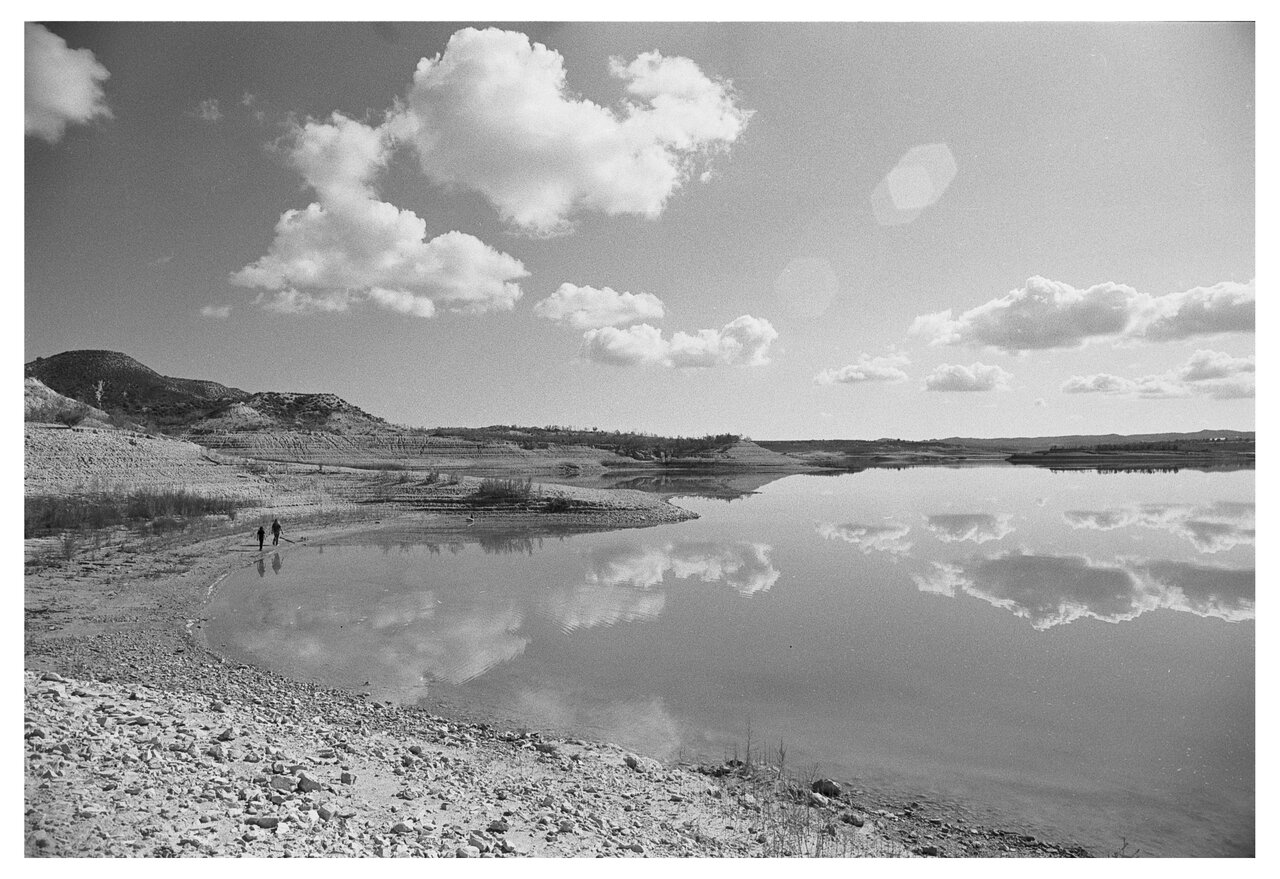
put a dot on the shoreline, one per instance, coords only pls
(153, 744)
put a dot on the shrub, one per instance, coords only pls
(492, 488)
(558, 504)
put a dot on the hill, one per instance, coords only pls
(116, 382)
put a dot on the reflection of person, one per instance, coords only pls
(262, 535)
(262, 566)
(275, 532)
(275, 562)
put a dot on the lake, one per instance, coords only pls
(1070, 652)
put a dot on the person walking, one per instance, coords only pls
(262, 536)
(275, 532)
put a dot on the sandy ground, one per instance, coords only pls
(139, 741)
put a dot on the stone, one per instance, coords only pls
(402, 827)
(852, 818)
(283, 782)
(227, 734)
(929, 851)
(326, 811)
(266, 822)
(818, 799)
(307, 784)
(827, 787)
(479, 842)
(467, 851)
(499, 825)
(347, 778)
(53, 676)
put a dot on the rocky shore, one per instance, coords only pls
(141, 742)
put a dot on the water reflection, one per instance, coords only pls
(976, 527)
(1210, 528)
(745, 567)
(408, 634)
(1052, 590)
(870, 538)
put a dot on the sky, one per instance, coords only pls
(786, 231)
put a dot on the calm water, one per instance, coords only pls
(1073, 652)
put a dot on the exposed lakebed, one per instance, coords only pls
(1073, 651)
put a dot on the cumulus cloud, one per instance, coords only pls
(888, 538)
(744, 341)
(1207, 373)
(975, 527)
(350, 247)
(589, 308)
(63, 85)
(493, 113)
(1211, 528)
(976, 377)
(1046, 314)
(218, 311)
(866, 368)
(1049, 590)
(1227, 307)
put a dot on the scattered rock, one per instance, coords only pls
(827, 788)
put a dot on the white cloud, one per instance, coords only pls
(351, 247)
(208, 111)
(867, 369)
(1046, 314)
(1227, 307)
(63, 85)
(219, 311)
(744, 341)
(589, 307)
(976, 377)
(1207, 373)
(493, 113)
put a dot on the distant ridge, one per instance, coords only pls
(1038, 442)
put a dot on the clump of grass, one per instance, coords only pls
(558, 504)
(48, 515)
(496, 489)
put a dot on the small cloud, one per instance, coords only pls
(976, 377)
(222, 312)
(741, 342)
(589, 308)
(63, 85)
(160, 261)
(1040, 402)
(867, 369)
(1213, 374)
(207, 111)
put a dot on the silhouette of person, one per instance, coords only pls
(275, 532)
(262, 568)
(262, 535)
(276, 564)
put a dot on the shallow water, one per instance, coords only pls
(1069, 652)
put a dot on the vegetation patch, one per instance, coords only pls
(163, 509)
